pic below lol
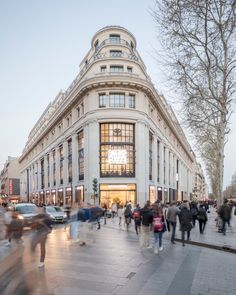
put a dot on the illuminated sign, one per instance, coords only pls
(10, 187)
(117, 157)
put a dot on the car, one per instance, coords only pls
(27, 212)
(56, 215)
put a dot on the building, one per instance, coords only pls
(110, 125)
(10, 180)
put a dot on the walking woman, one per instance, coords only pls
(185, 218)
(159, 227)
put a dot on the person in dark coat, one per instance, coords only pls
(225, 214)
(185, 218)
(202, 218)
(16, 228)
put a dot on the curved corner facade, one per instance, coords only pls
(110, 136)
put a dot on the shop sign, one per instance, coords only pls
(117, 157)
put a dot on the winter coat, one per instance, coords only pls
(185, 218)
(146, 216)
(202, 215)
(172, 212)
(225, 212)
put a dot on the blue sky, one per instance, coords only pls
(41, 46)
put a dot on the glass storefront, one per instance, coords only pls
(152, 194)
(53, 197)
(117, 150)
(79, 194)
(60, 197)
(159, 193)
(118, 193)
(68, 196)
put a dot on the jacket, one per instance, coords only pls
(185, 218)
(225, 212)
(146, 216)
(172, 212)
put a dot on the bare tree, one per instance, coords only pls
(199, 38)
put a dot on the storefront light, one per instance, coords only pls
(117, 156)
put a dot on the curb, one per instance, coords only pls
(225, 248)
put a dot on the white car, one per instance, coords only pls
(56, 215)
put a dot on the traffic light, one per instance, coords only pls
(95, 185)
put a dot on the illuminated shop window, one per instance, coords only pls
(117, 150)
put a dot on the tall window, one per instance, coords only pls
(116, 69)
(115, 39)
(169, 168)
(102, 100)
(115, 53)
(131, 101)
(48, 169)
(96, 45)
(54, 166)
(150, 155)
(117, 150)
(117, 100)
(158, 161)
(164, 159)
(42, 174)
(81, 154)
(61, 163)
(69, 160)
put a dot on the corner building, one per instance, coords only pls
(112, 125)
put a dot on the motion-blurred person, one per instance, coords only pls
(8, 219)
(15, 229)
(128, 216)
(137, 219)
(113, 209)
(225, 214)
(42, 226)
(185, 218)
(202, 218)
(194, 212)
(120, 214)
(172, 213)
(146, 221)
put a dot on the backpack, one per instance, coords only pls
(158, 224)
(194, 211)
(201, 215)
(136, 214)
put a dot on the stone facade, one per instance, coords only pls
(110, 125)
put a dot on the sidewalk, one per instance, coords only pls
(211, 237)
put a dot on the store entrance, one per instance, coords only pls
(117, 193)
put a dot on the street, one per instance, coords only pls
(115, 264)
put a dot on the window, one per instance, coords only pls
(117, 150)
(81, 154)
(115, 53)
(42, 173)
(48, 170)
(69, 160)
(158, 161)
(115, 39)
(117, 100)
(61, 163)
(102, 100)
(164, 159)
(54, 166)
(131, 101)
(150, 155)
(116, 69)
(103, 69)
(129, 69)
(96, 45)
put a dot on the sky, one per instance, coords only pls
(41, 46)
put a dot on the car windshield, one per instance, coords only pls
(58, 209)
(26, 209)
(51, 209)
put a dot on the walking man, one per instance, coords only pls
(185, 218)
(172, 213)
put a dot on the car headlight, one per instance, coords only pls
(20, 217)
(65, 215)
(51, 216)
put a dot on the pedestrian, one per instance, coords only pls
(105, 212)
(225, 214)
(202, 218)
(74, 224)
(172, 213)
(113, 209)
(146, 221)
(127, 216)
(42, 226)
(7, 220)
(194, 212)
(120, 214)
(159, 227)
(165, 210)
(15, 229)
(137, 219)
(185, 218)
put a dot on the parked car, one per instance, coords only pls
(27, 212)
(56, 215)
